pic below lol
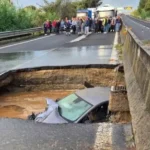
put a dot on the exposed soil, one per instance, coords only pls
(119, 102)
(20, 105)
(120, 117)
(22, 93)
(59, 79)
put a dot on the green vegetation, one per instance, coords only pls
(143, 10)
(12, 18)
(68, 8)
(146, 42)
(119, 48)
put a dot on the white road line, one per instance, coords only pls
(140, 24)
(114, 55)
(17, 67)
(140, 20)
(103, 136)
(26, 41)
(80, 38)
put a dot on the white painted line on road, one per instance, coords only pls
(17, 67)
(26, 41)
(80, 38)
(103, 136)
(114, 54)
(140, 24)
(140, 19)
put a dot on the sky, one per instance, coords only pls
(116, 3)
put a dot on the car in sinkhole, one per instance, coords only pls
(84, 106)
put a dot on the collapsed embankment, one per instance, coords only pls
(137, 76)
(58, 79)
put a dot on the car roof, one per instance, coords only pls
(95, 96)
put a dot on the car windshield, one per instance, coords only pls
(73, 107)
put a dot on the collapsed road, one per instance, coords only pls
(21, 134)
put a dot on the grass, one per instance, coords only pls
(119, 48)
(146, 42)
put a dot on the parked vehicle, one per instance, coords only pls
(84, 12)
(106, 11)
(84, 106)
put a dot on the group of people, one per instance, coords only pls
(108, 24)
(83, 25)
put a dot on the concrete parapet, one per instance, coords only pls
(137, 76)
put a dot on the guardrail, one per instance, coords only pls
(15, 33)
(136, 59)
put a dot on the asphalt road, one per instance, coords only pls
(94, 49)
(140, 28)
(142, 22)
(41, 43)
(96, 39)
(57, 41)
(27, 135)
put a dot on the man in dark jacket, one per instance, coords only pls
(50, 26)
(100, 26)
(45, 27)
(57, 26)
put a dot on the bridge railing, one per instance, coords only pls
(9, 34)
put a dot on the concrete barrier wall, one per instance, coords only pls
(137, 76)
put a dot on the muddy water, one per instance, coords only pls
(20, 105)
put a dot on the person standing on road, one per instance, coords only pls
(67, 26)
(74, 25)
(83, 26)
(45, 27)
(87, 24)
(100, 24)
(96, 26)
(109, 23)
(62, 24)
(113, 23)
(54, 26)
(93, 25)
(106, 25)
(118, 24)
(57, 26)
(79, 24)
(49, 26)
(90, 24)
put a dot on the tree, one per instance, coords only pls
(30, 7)
(142, 5)
(91, 3)
(62, 8)
(135, 13)
(147, 6)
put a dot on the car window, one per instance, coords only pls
(73, 107)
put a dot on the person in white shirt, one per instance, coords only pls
(74, 25)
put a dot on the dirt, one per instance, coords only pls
(119, 102)
(120, 117)
(65, 79)
(20, 105)
(26, 91)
